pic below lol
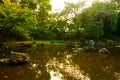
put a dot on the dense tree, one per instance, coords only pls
(22, 19)
(71, 14)
(15, 21)
(43, 11)
(117, 3)
(101, 20)
(42, 18)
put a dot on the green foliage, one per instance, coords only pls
(43, 10)
(69, 36)
(15, 21)
(110, 42)
(31, 19)
(38, 33)
(101, 20)
(82, 39)
(34, 42)
(106, 12)
(72, 9)
(51, 35)
(29, 3)
(94, 30)
(71, 14)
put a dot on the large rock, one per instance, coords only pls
(4, 60)
(18, 57)
(92, 43)
(103, 50)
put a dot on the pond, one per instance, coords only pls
(61, 63)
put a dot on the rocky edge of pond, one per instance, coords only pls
(16, 58)
(102, 50)
(90, 46)
(19, 57)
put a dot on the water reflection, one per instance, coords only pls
(56, 75)
(65, 68)
(34, 67)
(117, 75)
(58, 63)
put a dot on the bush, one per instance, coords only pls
(69, 36)
(108, 41)
(17, 21)
(51, 35)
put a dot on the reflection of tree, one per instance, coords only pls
(67, 67)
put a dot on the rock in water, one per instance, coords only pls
(104, 50)
(4, 60)
(78, 49)
(18, 57)
(92, 43)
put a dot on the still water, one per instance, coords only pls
(61, 63)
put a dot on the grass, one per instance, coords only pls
(110, 41)
(41, 42)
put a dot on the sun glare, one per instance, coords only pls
(58, 5)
